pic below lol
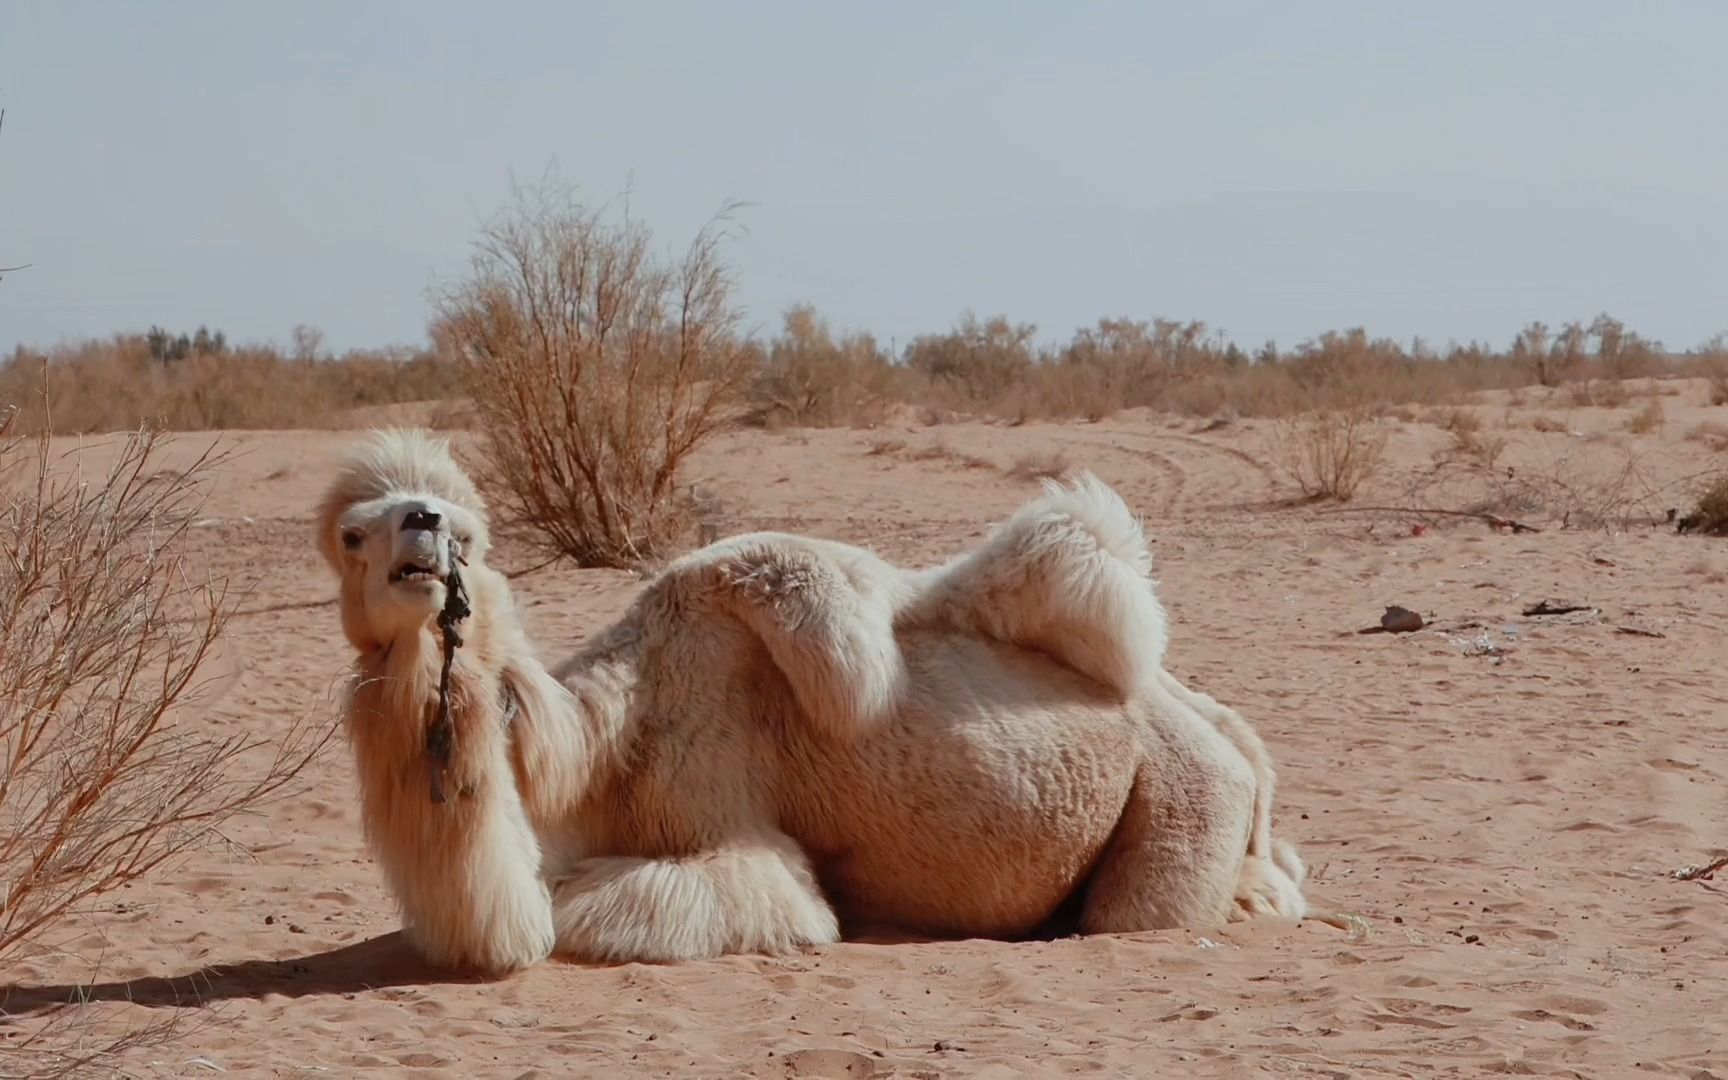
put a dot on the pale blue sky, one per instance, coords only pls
(1275, 169)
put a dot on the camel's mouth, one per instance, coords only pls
(416, 570)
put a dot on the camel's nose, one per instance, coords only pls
(417, 520)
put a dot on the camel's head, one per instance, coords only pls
(397, 514)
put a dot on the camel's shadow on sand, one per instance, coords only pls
(377, 963)
(373, 964)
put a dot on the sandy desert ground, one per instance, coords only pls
(1502, 797)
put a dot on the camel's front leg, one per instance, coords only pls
(753, 895)
(466, 872)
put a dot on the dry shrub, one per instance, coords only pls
(1550, 361)
(975, 364)
(1710, 514)
(1648, 419)
(1712, 433)
(1127, 363)
(596, 368)
(118, 385)
(1584, 484)
(809, 375)
(939, 450)
(1716, 373)
(1483, 449)
(1599, 393)
(1040, 465)
(1059, 391)
(1468, 439)
(106, 641)
(1330, 452)
(1460, 422)
(811, 379)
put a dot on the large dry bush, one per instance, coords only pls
(1549, 359)
(810, 378)
(107, 643)
(1125, 363)
(976, 364)
(596, 367)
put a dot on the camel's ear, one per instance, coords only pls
(327, 533)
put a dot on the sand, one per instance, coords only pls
(1503, 798)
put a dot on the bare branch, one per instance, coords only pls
(107, 643)
(597, 369)
(1495, 520)
(4, 270)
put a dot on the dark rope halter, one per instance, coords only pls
(441, 732)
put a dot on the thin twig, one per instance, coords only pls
(4, 270)
(1493, 519)
(1695, 873)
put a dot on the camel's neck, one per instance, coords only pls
(560, 735)
(574, 728)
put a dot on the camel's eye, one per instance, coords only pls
(351, 539)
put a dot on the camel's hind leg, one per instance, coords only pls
(1272, 876)
(754, 895)
(1233, 726)
(1178, 849)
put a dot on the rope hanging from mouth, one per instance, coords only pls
(441, 732)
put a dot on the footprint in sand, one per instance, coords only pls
(1544, 1016)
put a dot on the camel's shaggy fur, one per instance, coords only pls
(784, 733)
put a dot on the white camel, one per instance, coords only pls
(784, 736)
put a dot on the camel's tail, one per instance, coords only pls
(1094, 506)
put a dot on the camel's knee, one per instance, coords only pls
(467, 879)
(755, 898)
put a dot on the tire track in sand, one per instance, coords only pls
(1173, 459)
(1170, 479)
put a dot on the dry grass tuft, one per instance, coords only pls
(940, 450)
(1647, 420)
(1599, 393)
(596, 369)
(1460, 422)
(1042, 465)
(1481, 448)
